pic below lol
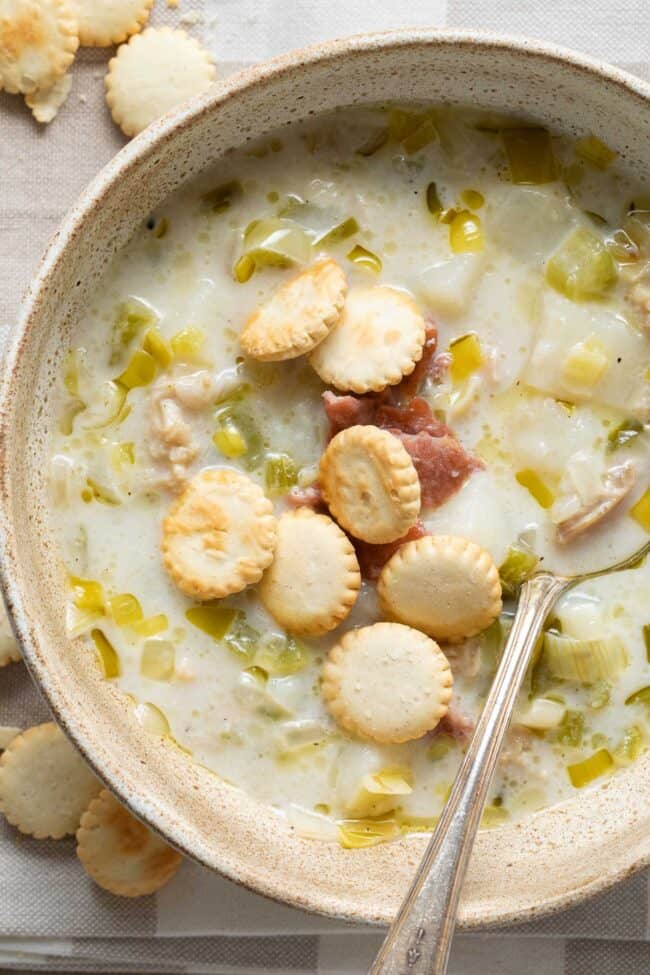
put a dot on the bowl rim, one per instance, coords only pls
(129, 157)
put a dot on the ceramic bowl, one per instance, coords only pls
(518, 871)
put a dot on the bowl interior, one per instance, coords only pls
(552, 859)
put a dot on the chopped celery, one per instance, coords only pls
(222, 197)
(624, 434)
(94, 491)
(536, 487)
(151, 625)
(466, 357)
(472, 199)
(585, 661)
(595, 151)
(354, 834)
(276, 242)
(187, 345)
(519, 564)
(132, 318)
(466, 233)
(571, 729)
(642, 696)
(124, 609)
(158, 347)
(152, 719)
(280, 474)
(542, 714)
(213, 620)
(109, 662)
(586, 362)
(362, 257)
(229, 439)
(157, 660)
(337, 234)
(242, 639)
(244, 268)
(122, 454)
(88, 594)
(140, 371)
(493, 640)
(434, 206)
(641, 511)
(281, 656)
(631, 747)
(113, 409)
(582, 268)
(376, 141)
(582, 773)
(440, 746)
(530, 155)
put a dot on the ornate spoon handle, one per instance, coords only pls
(419, 939)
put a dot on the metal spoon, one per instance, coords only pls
(419, 940)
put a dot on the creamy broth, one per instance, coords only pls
(550, 393)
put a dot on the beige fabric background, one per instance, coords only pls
(52, 918)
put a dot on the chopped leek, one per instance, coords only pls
(252, 693)
(542, 714)
(466, 233)
(276, 242)
(536, 487)
(338, 233)
(113, 408)
(109, 662)
(222, 197)
(641, 511)
(354, 834)
(624, 434)
(434, 206)
(124, 609)
(582, 268)
(422, 136)
(472, 199)
(585, 661)
(213, 620)
(642, 696)
(631, 747)
(280, 474)
(244, 268)
(151, 625)
(94, 491)
(229, 439)
(519, 564)
(71, 367)
(70, 410)
(362, 257)
(132, 318)
(594, 151)
(600, 695)
(281, 656)
(234, 425)
(140, 371)
(158, 347)
(242, 639)
(582, 773)
(152, 719)
(645, 630)
(187, 345)
(417, 824)
(413, 130)
(380, 793)
(494, 815)
(586, 362)
(466, 357)
(373, 143)
(571, 729)
(88, 594)
(530, 155)
(157, 660)
(160, 228)
(122, 454)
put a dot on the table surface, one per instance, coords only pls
(52, 918)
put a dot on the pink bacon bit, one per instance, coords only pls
(309, 497)
(456, 724)
(373, 558)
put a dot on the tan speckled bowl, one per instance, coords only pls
(556, 857)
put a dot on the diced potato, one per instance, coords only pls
(585, 363)
(448, 286)
(541, 714)
(529, 222)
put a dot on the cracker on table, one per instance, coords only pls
(105, 22)
(370, 484)
(120, 853)
(443, 584)
(45, 785)
(155, 72)
(9, 649)
(314, 579)
(298, 316)
(378, 340)
(387, 683)
(219, 535)
(45, 103)
(38, 41)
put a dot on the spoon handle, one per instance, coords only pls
(419, 939)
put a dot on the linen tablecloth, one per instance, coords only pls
(52, 917)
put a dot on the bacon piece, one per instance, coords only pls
(414, 417)
(349, 411)
(455, 723)
(373, 558)
(410, 385)
(309, 497)
(442, 463)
